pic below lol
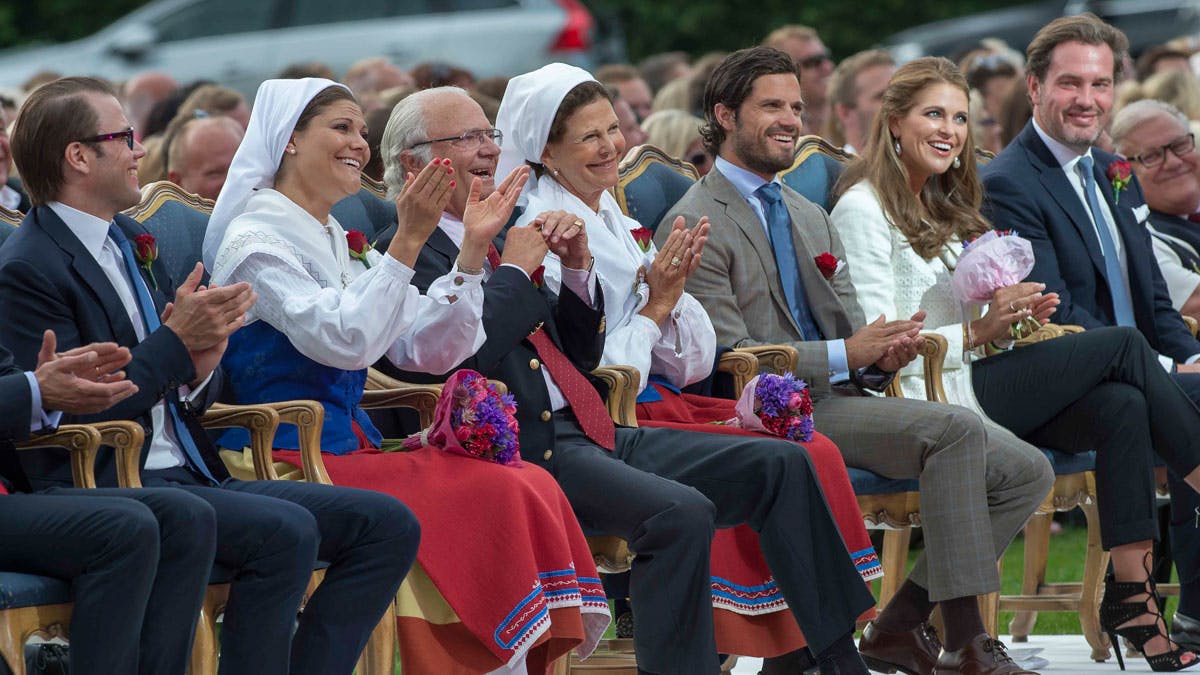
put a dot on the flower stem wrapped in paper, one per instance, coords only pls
(778, 405)
(995, 260)
(473, 419)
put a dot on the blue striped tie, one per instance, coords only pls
(1122, 304)
(150, 321)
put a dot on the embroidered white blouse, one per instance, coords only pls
(334, 309)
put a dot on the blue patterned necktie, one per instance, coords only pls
(779, 225)
(1122, 304)
(150, 321)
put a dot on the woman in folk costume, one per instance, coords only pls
(513, 584)
(560, 121)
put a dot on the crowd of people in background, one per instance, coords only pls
(508, 255)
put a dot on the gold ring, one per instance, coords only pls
(578, 223)
(675, 261)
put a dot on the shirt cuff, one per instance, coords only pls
(839, 369)
(1193, 358)
(39, 419)
(580, 282)
(1167, 362)
(187, 393)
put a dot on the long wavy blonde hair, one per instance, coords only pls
(948, 205)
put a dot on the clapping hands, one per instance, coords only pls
(678, 258)
(419, 208)
(484, 218)
(83, 380)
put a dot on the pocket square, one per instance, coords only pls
(1141, 213)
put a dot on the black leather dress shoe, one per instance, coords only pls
(913, 652)
(1185, 632)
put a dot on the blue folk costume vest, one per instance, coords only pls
(263, 366)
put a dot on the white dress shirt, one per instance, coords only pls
(165, 451)
(1182, 281)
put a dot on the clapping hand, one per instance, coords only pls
(676, 261)
(903, 349)
(883, 343)
(1012, 306)
(83, 380)
(484, 218)
(565, 235)
(205, 317)
(419, 208)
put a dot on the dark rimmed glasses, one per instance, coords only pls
(815, 61)
(1180, 147)
(469, 140)
(126, 134)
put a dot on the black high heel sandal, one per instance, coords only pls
(1115, 610)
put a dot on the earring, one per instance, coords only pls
(896, 145)
(291, 150)
(956, 164)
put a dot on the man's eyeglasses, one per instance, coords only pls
(814, 61)
(1180, 146)
(127, 135)
(469, 140)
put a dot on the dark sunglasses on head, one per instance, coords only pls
(814, 61)
(126, 134)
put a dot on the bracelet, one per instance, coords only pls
(466, 270)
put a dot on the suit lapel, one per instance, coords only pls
(822, 300)
(1141, 284)
(159, 286)
(1054, 179)
(90, 272)
(742, 216)
(440, 241)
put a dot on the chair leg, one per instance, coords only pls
(563, 665)
(204, 645)
(894, 561)
(1094, 565)
(379, 656)
(12, 646)
(1037, 549)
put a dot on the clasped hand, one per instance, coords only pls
(889, 345)
(1013, 305)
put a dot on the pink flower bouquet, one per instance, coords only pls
(993, 261)
(473, 419)
(778, 405)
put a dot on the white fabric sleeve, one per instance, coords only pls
(1181, 281)
(378, 313)
(682, 350)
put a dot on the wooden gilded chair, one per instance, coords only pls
(650, 182)
(34, 605)
(815, 170)
(9, 220)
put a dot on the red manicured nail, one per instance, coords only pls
(451, 183)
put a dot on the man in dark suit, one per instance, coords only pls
(664, 491)
(1156, 137)
(133, 557)
(70, 268)
(1055, 189)
(762, 280)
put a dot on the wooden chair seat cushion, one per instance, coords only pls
(31, 590)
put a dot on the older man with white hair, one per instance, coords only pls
(1154, 135)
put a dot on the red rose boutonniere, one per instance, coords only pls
(828, 264)
(643, 237)
(1119, 172)
(539, 276)
(358, 246)
(146, 252)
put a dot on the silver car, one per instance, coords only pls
(239, 43)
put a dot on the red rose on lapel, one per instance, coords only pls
(643, 237)
(358, 246)
(539, 276)
(146, 252)
(828, 264)
(1119, 172)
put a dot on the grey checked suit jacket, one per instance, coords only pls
(738, 282)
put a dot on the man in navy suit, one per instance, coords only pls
(70, 268)
(132, 557)
(1055, 189)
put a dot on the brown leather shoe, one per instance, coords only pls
(981, 656)
(914, 652)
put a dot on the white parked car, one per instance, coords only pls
(239, 43)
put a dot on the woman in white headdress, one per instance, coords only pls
(560, 121)
(329, 306)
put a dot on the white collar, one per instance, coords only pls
(1066, 157)
(89, 229)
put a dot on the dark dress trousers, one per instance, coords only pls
(134, 558)
(664, 491)
(269, 533)
(1028, 192)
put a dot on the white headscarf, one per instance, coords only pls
(277, 107)
(527, 111)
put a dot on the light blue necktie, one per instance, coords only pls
(150, 321)
(1122, 304)
(779, 225)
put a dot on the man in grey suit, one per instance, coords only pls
(773, 272)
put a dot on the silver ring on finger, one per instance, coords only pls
(675, 261)
(1012, 306)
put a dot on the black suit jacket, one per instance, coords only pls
(513, 309)
(15, 406)
(49, 280)
(1183, 229)
(1027, 191)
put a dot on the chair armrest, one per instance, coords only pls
(622, 384)
(1191, 324)
(260, 420)
(1048, 331)
(126, 439)
(778, 359)
(81, 440)
(741, 366)
(309, 419)
(933, 355)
